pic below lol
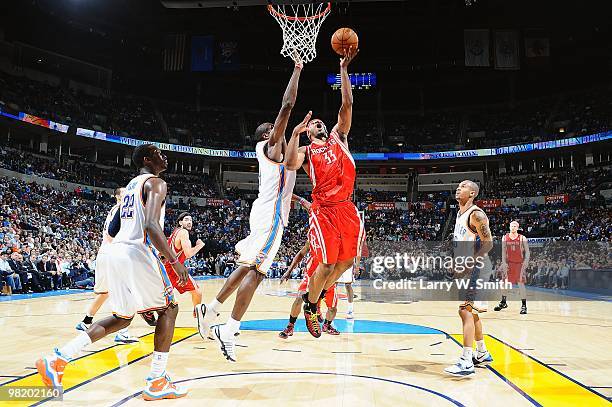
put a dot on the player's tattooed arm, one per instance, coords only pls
(481, 222)
(296, 155)
(277, 143)
(296, 260)
(345, 116)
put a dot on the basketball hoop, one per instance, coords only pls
(300, 24)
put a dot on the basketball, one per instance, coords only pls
(343, 39)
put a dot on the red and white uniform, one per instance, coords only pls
(335, 227)
(331, 299)
(514, 258)
(180, 255)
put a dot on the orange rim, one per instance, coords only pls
(291, 18)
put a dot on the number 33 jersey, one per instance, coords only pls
(331, 169)
(132, 212)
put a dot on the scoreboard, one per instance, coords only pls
(358, 80)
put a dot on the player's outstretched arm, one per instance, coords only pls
(296, 260)
(189, 250)
(155, 191)
(295, 156)
(303, 202)
(277, 143)
(345, 116)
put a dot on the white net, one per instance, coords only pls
(300, 24)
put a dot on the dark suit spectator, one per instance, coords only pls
(17, 267)
(40, 282)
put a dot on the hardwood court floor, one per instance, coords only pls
(393, 354)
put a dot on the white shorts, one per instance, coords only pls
(347, 276)
(101, 274)
(259, 248)
(137, 280)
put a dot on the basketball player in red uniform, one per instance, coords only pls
(181, 246)
(331, 298)
(515, 259)
(335, 227)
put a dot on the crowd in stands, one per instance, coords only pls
(579, 113)
(49, 237)
(73, 169)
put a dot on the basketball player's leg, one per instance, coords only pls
(331, 300)
(91, 311)
(350, 296)
(262, 259)
(523, 295)
(196, 295)
(465, 365)
(482, 354)
(296, 307)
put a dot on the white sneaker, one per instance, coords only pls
(82, 326)
(349, 315)
(227, 342)
(482, 357)
(162, 387)
(125, 338)
(205, 319)
(462, 368)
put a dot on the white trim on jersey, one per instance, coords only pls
(313, 176)
(317, 228)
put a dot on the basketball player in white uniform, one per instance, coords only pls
(269, 216)
(101, 286)
(472, 240)
(137, 280)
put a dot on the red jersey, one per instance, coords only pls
(514, 249)
(179, 253)
(331, 170)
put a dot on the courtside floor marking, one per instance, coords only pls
(95, 365)
(543, 384)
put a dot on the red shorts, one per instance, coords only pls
(190, 285)
(335, 232)
(514, 273)
(331, 299)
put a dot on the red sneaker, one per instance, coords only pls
(312, 323)
(329, 328)
(287, 332)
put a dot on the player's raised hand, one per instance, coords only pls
(349, 54)
(182, 273)
(299, 64)
(303, 125)
(285, 276)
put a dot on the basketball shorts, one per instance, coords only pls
(137, 280)
(335, 232)
(331, 298)
(259, 248)
(190, 285)
(347, 276)
(514, 273)
(101, 277)
(472, 294)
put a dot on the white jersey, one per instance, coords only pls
(109, 218)
(132, 213)
(276, 184)
(462, 232)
